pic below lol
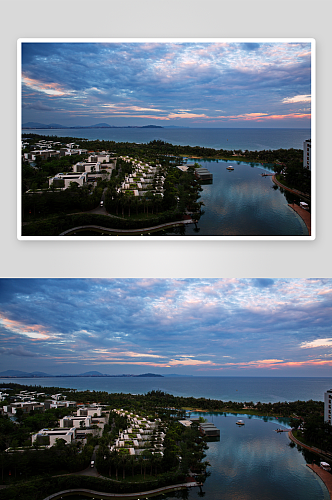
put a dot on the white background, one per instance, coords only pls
(160, 18)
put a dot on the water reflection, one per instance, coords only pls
(253, 462)
(243, 203)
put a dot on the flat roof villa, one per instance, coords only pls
(64, 180)
(86, 167)
(48, 437)
(77, 422)
(90, 411)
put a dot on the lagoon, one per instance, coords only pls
(253, 462)
(241, 202)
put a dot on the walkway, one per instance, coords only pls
(142, 494)
(325, 476)
(304, 214)
(129, 231)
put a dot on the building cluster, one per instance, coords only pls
(51, 149)
(97, 165)
(144, 178)
(142, 434)
(28, 401)
(80, 421)
(86, 420)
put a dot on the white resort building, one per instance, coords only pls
(307, 154)
(327, 406)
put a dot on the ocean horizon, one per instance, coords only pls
(224, 388)
(251, 139)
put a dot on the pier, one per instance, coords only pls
(204, 174)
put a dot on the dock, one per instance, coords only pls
(204, 174)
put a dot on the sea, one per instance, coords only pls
(245, 389)
(249, 462)
(251, 139)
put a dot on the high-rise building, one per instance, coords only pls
(307, 154)
(327, 406)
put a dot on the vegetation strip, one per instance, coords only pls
(291, 190)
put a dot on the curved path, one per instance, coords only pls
(142, 494)
(294, 191)
(304, 214)
(129, 231)
(324, 475)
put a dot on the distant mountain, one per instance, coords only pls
(91, 374)
(36, 125)
(101, 125)
(20, 374)
(151, 126)
(55, 125)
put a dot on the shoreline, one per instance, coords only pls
(294, 191)
(304, 214)
(324, 475)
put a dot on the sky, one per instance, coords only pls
(203, 327)
(187, 84)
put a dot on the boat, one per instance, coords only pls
(230, 168)
(240, 422)
(325, 466)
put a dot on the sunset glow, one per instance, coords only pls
(194, 326)
(181, 83)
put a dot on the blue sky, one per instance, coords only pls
(254, 327)
(224, 84)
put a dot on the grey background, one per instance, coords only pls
(160, 18)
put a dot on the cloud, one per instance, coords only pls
(38, 105)
(131, 80)
(17, 351)
(297, 99)
(190, 323)
(317, 343)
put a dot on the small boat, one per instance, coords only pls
(240, 422)
(325, 466)
(230, 168)
(304, 205)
